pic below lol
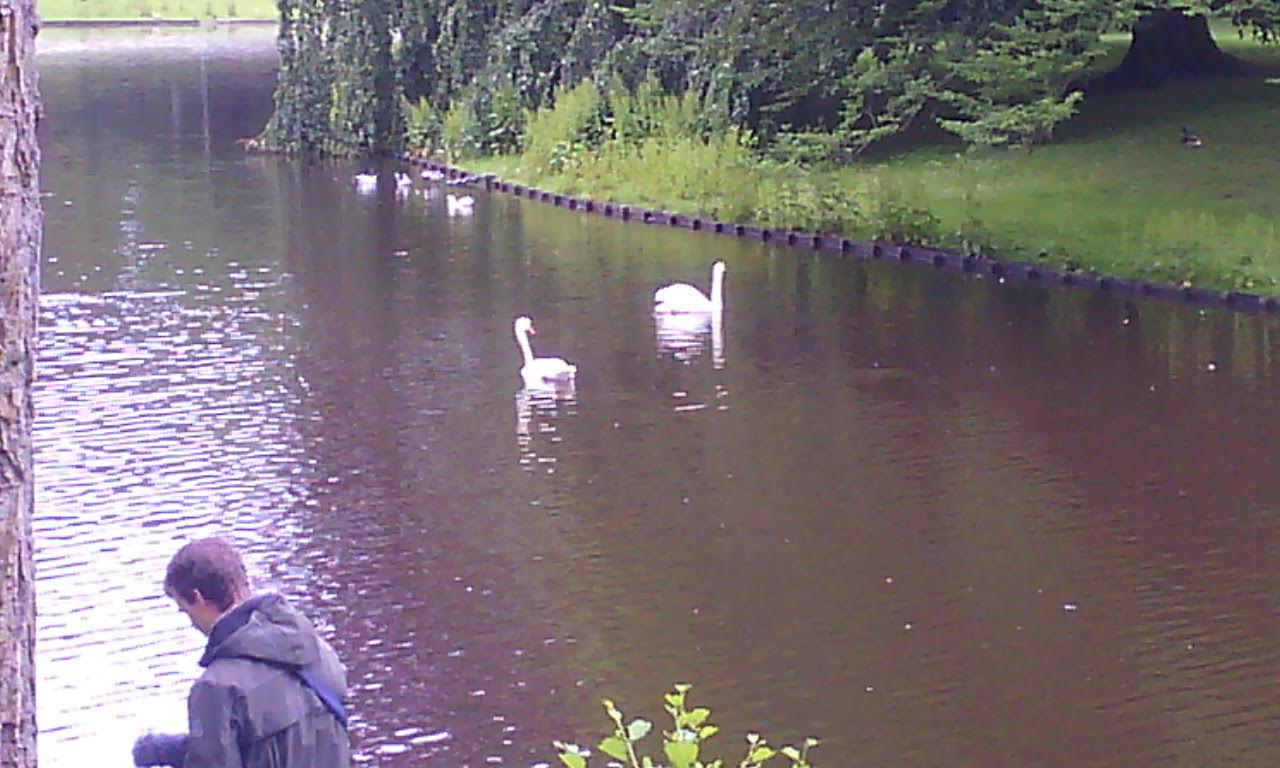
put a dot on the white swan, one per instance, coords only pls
(404, 184)
(366, 183)
(540, 372)
(462, 205)
(431, 174)
(684, 298)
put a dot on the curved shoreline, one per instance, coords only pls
(938, 258)
(121, 23)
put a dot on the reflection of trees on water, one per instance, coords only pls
(107, 113)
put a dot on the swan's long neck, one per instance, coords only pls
(717, 289)
(522, 336)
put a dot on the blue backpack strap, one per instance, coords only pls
(331, 700)
(323, 692)
(237, 619)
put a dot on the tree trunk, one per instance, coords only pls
(20, 223)
(1169, 45)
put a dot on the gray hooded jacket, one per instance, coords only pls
(244, 713)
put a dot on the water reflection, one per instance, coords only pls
(538, 416)
(684, 337)
(124, 371)
(989, 524)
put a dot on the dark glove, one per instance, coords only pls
(160, 749)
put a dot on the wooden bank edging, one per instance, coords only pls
(940, 258)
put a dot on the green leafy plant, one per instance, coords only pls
(422, 126)
(682, 745)
(555, 137)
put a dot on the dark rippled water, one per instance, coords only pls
(931, 519)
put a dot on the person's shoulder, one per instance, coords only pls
(225, 672)
(213, 684)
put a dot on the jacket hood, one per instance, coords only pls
(266, 628)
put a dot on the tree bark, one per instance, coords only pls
(20, 228)
(1170, 45)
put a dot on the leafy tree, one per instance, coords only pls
(836, 75)
(1014, 85)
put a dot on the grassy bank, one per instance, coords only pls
(1117, 193)
(93, 10)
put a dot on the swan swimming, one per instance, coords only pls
(404, 184)
(684, 298)
(540, 372)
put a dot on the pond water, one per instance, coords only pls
(929, 518)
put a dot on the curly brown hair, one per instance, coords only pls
(213, 567)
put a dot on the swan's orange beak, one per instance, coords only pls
(533, 331)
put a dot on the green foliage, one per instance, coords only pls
(806, 202)
(656, 148)
(1013, 86)
(459, 131)
(837, 76)
(648, 111)
(808, 148)
(300, 122)
(51, 10)
(560, 134)
(1258, 17)
(1097, 199)
(1174, 250)
(895, 216)
(423, 126)
(486, 119)
(898, 78)
(682, 746)
(336, 92)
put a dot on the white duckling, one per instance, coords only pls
(460, 205)
(404, 184)
(365, 183)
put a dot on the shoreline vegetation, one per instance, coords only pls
(1117, 194)
(121, 12)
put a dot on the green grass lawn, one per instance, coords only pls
(90, 10)
(1116, 193)
(1120, 194)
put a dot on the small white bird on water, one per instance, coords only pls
(366, 183)
(684, 298)
(540, 372)
(460, 205)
